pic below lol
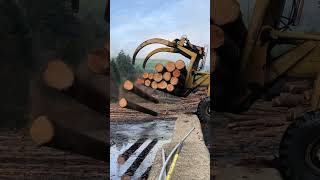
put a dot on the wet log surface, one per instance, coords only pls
(21, 159)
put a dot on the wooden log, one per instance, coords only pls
(98, 62)
(297, 87)
(45, 132)
(162, 85)
(145, 75)
(60, 76)
(170, 88)
(129, 86)
(124, 103)
(166, 76)
(154, 85)
(140, 81)
(176, 73)
(289, 100)
(150, 76)
(64, 110)
(180, 64)
(135, 165)
(159, 67)
(125, 156)
(174, 81)
(157, 77)
(170, 66)
(147, 82)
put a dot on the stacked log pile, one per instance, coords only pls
(169, 78)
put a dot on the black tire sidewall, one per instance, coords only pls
(201, 110)
(294, 145)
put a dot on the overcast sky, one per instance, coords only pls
(133, 22)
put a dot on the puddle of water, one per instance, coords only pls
(124, 135)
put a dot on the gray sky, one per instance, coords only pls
(133, 22)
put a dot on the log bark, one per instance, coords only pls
(170, 66)
(124, 103)
(129, 86)
(125, 156)
(45, 132)
(135, 165)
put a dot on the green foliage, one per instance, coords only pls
(122, 68)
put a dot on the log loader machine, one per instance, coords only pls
(243, 69)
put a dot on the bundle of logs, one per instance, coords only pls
(169, 78)
(67, 95)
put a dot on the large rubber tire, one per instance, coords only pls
(203, 110)
(300, 148)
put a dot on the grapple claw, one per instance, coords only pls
(151, 41)
(171, 50)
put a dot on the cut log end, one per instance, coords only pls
(58, 75)
(176, 73)
(150, 76)
(159, 67)
(162, 85)
(128, 85)
(123, 102)
(180, 64)
(170, 66)
(147, 82)
(42, 130)
(170, 87)
(174, 81)
(97, 61)
(145, 75)
(121, 160)
(157, 77)
(167, 76)
(154, 85)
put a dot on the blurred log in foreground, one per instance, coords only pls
(45, 132)
(97, 62)
(60, 76)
